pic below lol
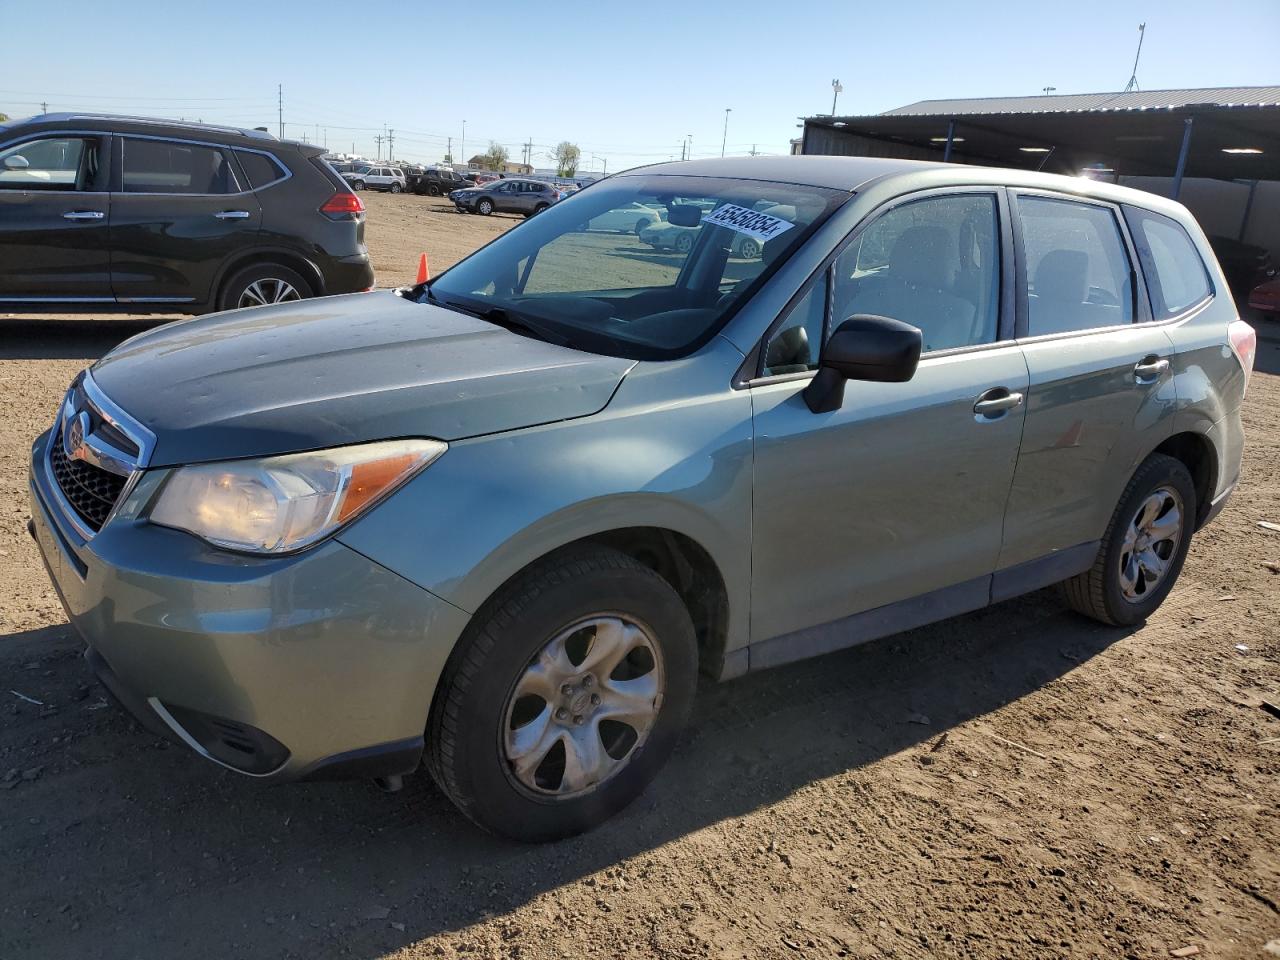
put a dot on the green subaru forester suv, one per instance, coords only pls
(498, 523)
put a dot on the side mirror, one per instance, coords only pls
(16, 162)
(864, 347)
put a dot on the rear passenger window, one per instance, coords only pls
(159, 166)
(1176, 275)
(259, 168)
(1078, 271)
(932, 263)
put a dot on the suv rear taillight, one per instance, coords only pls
(343, 206)
(1244, 344)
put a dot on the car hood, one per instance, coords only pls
(341, 370)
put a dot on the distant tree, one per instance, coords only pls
(495, 158)
(3, 117)
(567, 156)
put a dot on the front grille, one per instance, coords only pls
(90, 490)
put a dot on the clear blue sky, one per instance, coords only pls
(625, 82)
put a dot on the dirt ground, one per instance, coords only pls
(1017, 783)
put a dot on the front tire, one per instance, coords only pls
(262, 285)
(683, 244)
(358, 185)
(564, 697)
(484, 207)
(1143, 549)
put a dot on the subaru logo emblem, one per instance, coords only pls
(73, 437)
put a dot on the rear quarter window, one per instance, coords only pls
(259, 168)
(1177, 278)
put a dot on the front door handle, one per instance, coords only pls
(1149, 369)
(83, 215)
(995, 403)
(233, 215)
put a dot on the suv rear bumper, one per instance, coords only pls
(352, 274)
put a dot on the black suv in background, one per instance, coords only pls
(435, 182)
(136, 215)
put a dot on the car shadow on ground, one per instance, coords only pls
(66, 337)
(168, 855)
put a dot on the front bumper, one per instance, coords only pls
(326, 655)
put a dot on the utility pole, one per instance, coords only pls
(836, 90)
(448, 156)
(44, 106)
(1133, 78)
(725, 139)
(754, 151)
(391, 145)
(280, 108)
(1048, 90)
(378, 138)
(463, 148)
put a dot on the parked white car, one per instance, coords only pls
(375, 177)
(668, 236)
(629, 218)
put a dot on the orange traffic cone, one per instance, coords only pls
(423, 273)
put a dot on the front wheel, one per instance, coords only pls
(433, 191)
(684, 243)
(1144, 547)
(357, 185)
(484, 207)
(565, 696)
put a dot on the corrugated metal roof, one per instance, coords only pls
(1087, 102)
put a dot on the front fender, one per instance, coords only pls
(661, 455)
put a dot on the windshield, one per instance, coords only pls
(646, 267)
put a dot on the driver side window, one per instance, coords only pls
(55, 163)
(933, 263)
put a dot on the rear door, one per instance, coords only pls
(54, 214)
(178, 213)
(1101, 393)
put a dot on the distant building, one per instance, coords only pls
(480, 162)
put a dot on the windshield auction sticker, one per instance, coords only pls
(751, 222)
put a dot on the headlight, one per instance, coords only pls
(282, 504)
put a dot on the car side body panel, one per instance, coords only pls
(667, 453)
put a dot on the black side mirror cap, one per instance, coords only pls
(864, 347)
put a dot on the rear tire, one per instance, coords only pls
(1122, 587)
(600, 600)
(263, 284)
(395, 188)
(683, 244)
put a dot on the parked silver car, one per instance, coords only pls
(499, 522)
(376, 177)
(511, 195)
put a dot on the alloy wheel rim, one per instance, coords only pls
(583, 706)
(268, 290)
(1150, 543)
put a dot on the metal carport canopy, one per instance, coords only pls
(1132, 134)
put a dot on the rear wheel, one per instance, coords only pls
(538, 209)
(565, 696)
(1144, 547)
(395, 188)
(683, 243)
(748, 249)
(640, 225)
(261, 285)
(433, 191)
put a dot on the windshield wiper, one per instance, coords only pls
(516, 323)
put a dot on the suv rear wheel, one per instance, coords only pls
(395, 187)
(263, 284)
(565, 696)
(1143, 549)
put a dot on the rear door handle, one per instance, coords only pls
(83, 215)
(1149, 369)
(233, 215)
(995, 403)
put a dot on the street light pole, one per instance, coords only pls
(462, 149)
(725, 139)
(836, 90)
